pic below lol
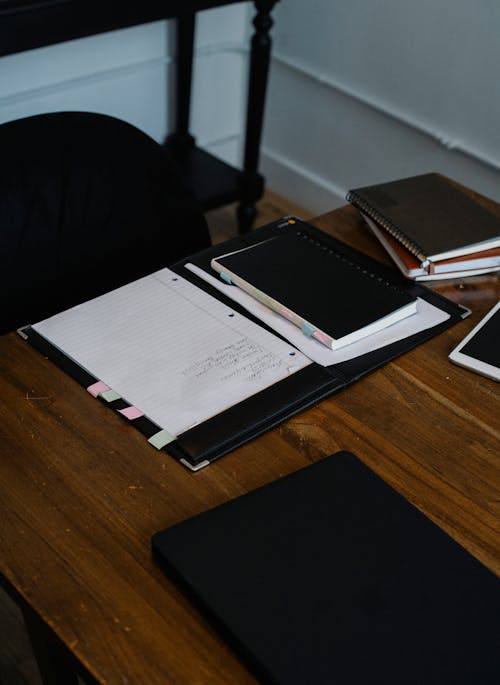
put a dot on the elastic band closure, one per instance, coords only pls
(96, 388)
(131, 413)
(161, 439)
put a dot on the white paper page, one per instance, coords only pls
(171, 350)
(427, 316)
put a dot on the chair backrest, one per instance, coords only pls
(87, 203)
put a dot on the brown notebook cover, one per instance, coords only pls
(429, 216)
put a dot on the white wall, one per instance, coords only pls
(363, 91)
(128, 74)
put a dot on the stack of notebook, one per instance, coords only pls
(430, 228)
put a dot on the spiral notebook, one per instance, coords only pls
(329, 576)
(329, 297)
(431, 218)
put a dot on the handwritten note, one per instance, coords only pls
(172, 350)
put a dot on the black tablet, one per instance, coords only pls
(328, 576)
(480, 350)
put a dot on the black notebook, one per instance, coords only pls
(329, 576)
(429, 216)
(329, 296)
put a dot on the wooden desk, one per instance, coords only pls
(27, 24)
(81, 492)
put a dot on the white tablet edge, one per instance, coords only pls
(469, 362)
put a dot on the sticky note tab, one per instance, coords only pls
(322, 337)
(97, 388)
(161, 439)
(226, 278)
(110, 395)
(307, 329)
(265, 299)
(131, 412)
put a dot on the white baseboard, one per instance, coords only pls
(320, 142)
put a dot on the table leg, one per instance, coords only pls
(180, 137)
(252, 183)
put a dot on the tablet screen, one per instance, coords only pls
(485, 344)
(480, 349)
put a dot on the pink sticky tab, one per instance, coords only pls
(321, 337)
(96, 388)
(131, 412)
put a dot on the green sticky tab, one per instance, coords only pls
(109, 395)
(307, 328)
(161, 439)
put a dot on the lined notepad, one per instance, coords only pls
(171, 350)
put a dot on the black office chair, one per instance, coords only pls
(87, 203)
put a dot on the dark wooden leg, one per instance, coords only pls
(180, 137)
(52, 659)
(252, 183)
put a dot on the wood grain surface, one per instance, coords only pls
(82, 492)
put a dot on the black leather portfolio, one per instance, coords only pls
(329, 576)
(202, 442)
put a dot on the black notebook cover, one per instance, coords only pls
(428, 215)
(301, 273)
(329, 576)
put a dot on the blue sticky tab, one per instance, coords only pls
(226, 278)
(307, 329)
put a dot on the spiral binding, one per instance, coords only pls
(401, 237)
(313, 239)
